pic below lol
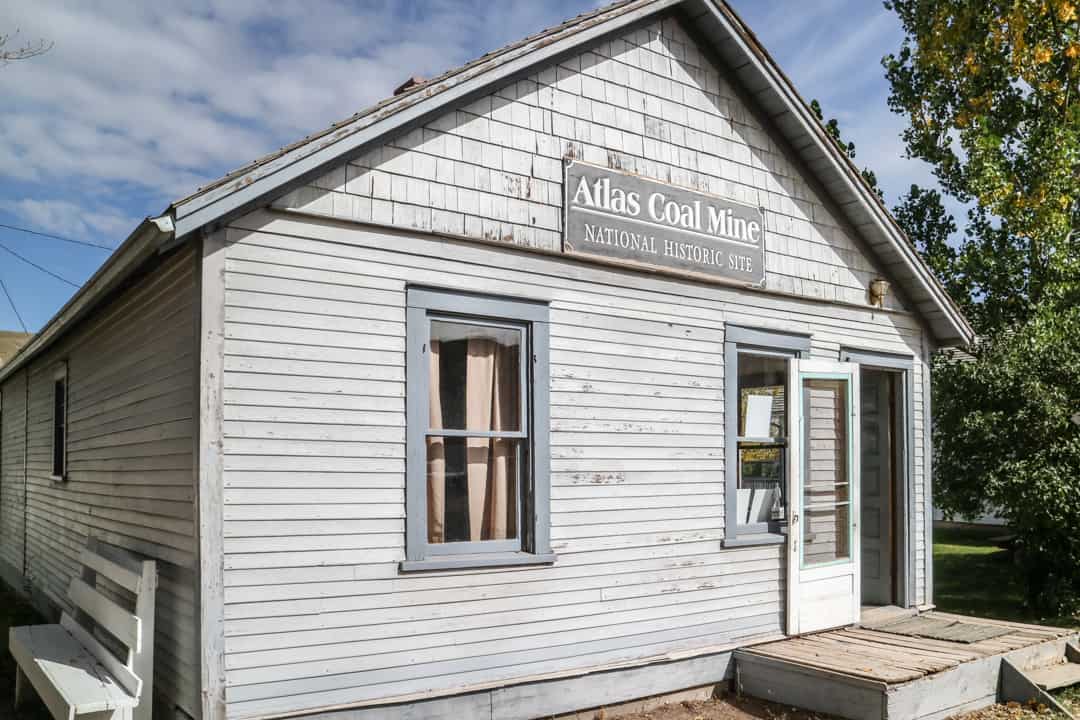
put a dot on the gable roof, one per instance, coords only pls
(245, 188)
(734, 44)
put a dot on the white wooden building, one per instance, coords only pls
(442, 413)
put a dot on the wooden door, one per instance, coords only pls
(876, 478)
(823, 545)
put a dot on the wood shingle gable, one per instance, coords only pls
(748, 66)
(649, 101)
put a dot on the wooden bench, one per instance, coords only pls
(70, 665)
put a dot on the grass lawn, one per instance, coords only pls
(973, 576)
(1070, 698)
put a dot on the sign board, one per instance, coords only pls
(634, 220)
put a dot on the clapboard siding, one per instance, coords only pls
(317, 612)
(649, 101)
(130, 458)
(12, 476)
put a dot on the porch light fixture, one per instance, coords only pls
(879, 290)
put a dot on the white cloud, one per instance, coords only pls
(140, 103)
(70, 219)
(160, 98)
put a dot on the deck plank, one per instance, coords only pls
(1048, 631)
(965, 653)
(937, 656)
(878, 655)
(1053, 677)
(799, 651)
(886, 654)
(940, 628)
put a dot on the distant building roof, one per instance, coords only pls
(959, 355)
(10, 342)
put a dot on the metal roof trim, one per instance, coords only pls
(239, 190)
(142, 244)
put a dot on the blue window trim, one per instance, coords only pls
(535, 525)
(743, 340)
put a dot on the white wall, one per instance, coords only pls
(12, 477)
(130, 449)
(317, 612)
(649, 102)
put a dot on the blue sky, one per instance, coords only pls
(139, 103)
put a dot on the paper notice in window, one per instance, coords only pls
(758, 416)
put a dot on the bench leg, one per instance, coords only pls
(21, 681)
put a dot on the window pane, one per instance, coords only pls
(475, 377)
(762, 393)
(825, 535)
(59, 429)
(472, 489)
(826, 530)
(761, 484)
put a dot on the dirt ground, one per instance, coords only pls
(728, 707)
(1011, 711)
(1069, 698)
(734, 708)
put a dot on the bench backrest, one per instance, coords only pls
(133, 629)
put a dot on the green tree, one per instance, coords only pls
(1005, 440)
(989, 90)
(930, 227)
(923, 217)
(832, 127)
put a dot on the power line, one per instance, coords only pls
(34, 264)
(12, 302)
(57, 237)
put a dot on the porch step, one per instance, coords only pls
(1053, 677)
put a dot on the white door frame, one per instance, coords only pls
(905, 483)
(828, 595)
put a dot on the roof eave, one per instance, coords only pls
(142, 244)
(956, 329)
(305, 162)
(245, 191)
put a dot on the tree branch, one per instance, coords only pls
(29, 50)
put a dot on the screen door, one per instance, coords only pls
(823, 542)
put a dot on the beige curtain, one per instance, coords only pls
(436, 455)
(479, 387)
(491, 403)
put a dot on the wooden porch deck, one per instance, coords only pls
(858, 672)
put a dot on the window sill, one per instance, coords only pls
(58, 478)
(753, 540)
(467, 562)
